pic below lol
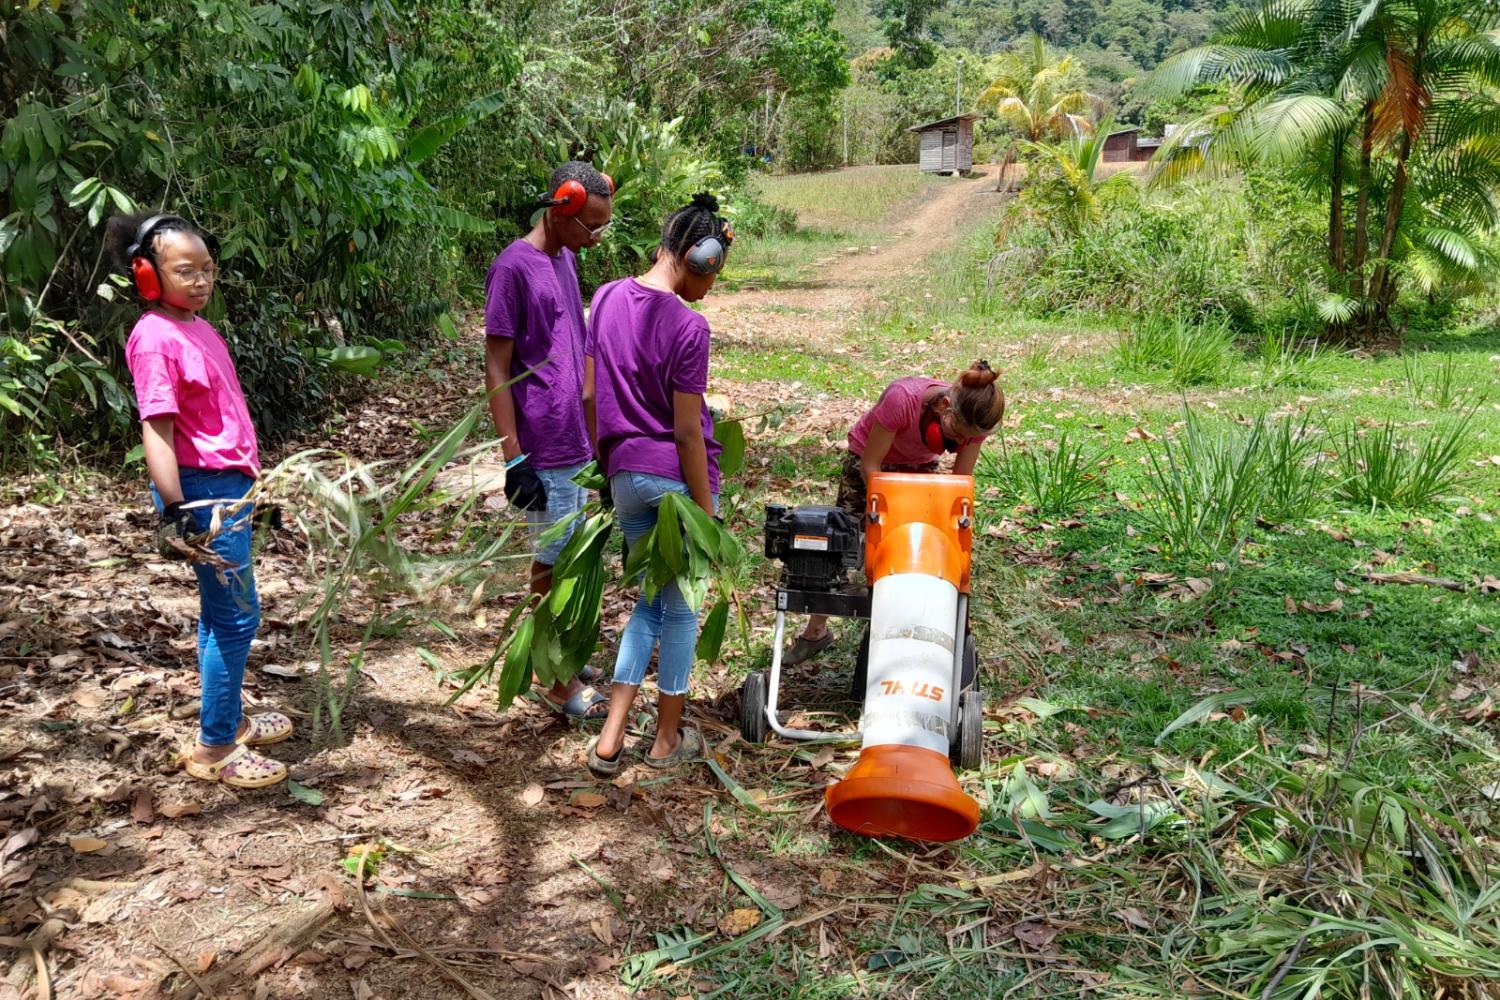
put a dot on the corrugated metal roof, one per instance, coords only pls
(967, 116)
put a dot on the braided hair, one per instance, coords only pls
(692, 223)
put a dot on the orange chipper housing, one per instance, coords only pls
(918, 539)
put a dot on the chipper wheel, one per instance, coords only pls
(753, 708)
(967, 748)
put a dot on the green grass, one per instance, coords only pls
(838, 211)
(1244, 763)
(858, 199)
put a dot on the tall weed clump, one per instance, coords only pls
(1385, 467)
(1186, 353)
(1208, 488)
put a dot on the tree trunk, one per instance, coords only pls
(1336, 216)
(1362, 207)
(1381, 283)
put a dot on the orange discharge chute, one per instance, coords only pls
(918, 538)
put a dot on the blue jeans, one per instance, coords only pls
(667, 617)
(564, 497)
(228, 612)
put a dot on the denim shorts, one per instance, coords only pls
(564, 498)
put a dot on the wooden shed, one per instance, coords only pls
(1127, 145)
(947, 145)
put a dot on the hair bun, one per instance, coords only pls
(705, 201)
(978, 375)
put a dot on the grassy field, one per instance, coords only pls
(833, 214)
(1237, 602)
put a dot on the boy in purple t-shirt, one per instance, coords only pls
(533, 321)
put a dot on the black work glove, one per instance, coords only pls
(173, 529)
(523, 487)
(606, 496)
(267, 517)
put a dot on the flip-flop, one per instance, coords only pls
(243, 768)
(602, 766)
(580, 705)
(268, 727)
(689, 748)
(803, 650)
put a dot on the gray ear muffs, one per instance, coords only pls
(707, 256)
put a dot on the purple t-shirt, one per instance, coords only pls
(533, 298)
(646, 345)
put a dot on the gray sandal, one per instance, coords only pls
(605, 767)
(581, 704)
(803, 649)
(689, 748)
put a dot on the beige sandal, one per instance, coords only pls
(269, 727)
(243, 768)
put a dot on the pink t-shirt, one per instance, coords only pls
(183, 370)
(899, 410)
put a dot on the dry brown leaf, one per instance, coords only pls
(1289, 604)
(175, 810)
(1035, 935)
(140, 806)
(588, 800)
(533, 794)
(739, 921)
(1134, 917)
(87, 845)
(361, 990)
(206, 960)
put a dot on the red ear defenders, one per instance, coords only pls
(142, 267)
(933, 436)
(570, 196)
(142, 257)
(707, 255)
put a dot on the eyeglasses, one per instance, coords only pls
(191, 276)
(595, 232)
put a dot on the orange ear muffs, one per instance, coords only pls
(147, 281)
(610, 181)
(568, 199)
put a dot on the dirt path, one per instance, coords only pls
(827, 308)
(508, 862)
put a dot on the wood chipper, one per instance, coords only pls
(917, 667)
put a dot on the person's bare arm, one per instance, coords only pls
(590, 415)
(877, 446)
(158, 439)
(692, 452)
(967, 458)
(498, 352)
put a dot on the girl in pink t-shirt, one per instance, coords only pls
(915, 421)
(201, 455)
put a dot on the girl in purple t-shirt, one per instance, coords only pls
(645, 373)
(915, 421)
(202, 457)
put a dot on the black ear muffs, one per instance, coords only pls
(707, 255)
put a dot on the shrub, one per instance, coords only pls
(1379, 467)
(1186, 353)
(1052, 479)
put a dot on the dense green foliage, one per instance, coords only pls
(361, 164)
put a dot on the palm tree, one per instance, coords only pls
(1063, 188)
(1036, 93)
(1393, 96)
